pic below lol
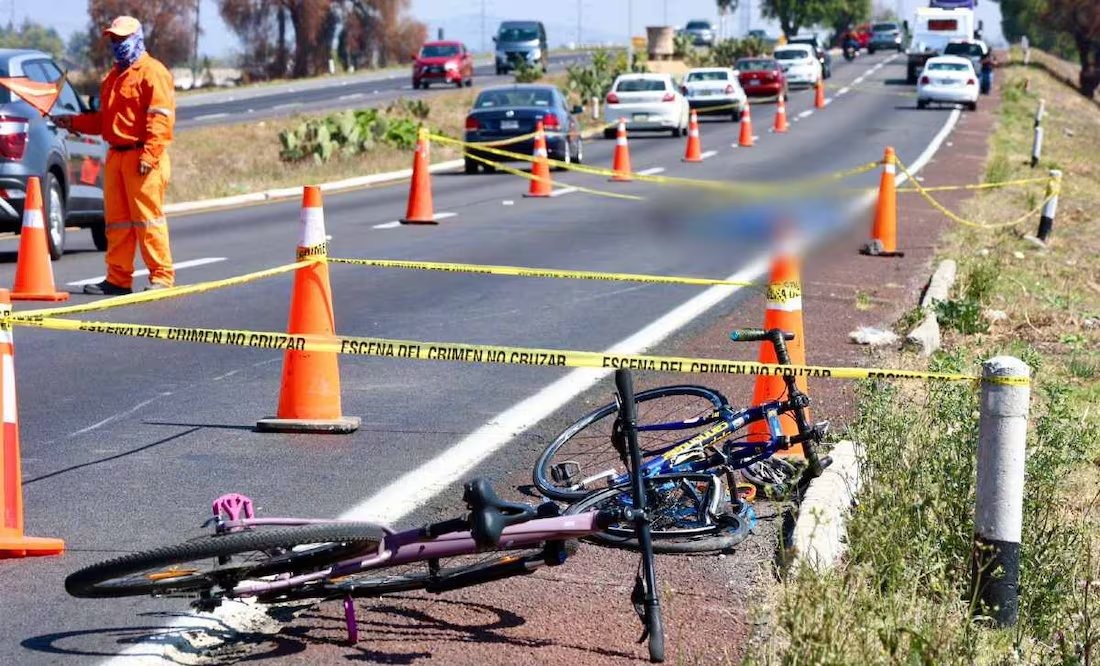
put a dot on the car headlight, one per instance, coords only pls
(534, 54)
(450, 66)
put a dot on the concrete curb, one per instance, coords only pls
(820, 533)
(926, 335)
(292, 192)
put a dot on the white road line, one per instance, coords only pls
(843, 91)
(443, 216)
(806, 113)
(708, 154)
(387, 225)
(183, 264)
(858, 80)
(289, 105)
(413, 489)
(563, 191)
(351, 96)
(651, 171)
(210, 116)
(828, 101)
(407, 87)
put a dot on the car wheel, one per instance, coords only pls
(566, 154)
(489, 168)
(578, 153)
(922, 103)
(973, 106)
(471, 166)
(54, 202)
(99, 236)
(470, 82)
(609, 133)
(675, 131)
(870, 50)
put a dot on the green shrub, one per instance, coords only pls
(347, 133)
(526, 72)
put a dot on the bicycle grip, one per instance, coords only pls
(755, 335)
(624, 384)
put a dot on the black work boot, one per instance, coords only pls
(105, 288)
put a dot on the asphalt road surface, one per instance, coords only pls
(346, 92)
(126, 441)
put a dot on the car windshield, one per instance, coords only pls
(790, 54)
(640, 85)
(717, 75)
(518, 34)
(948, 66)
(490, 99)
(438, 50)
(755, 65)
(884, 27)
(963, 49)
(697, 25)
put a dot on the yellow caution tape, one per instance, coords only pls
(781, 292)
(490, 354)
(163, 294)
(952, 216)
(531, 176)
(521, 271)
(977, 186)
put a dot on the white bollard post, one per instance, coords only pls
(595, 108)
(998, 513)
(1046, 219)
(1027, 50)
(1037, 142)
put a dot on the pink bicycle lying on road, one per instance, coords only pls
(283, 559)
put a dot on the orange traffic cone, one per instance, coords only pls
(540, 168)
(33, 270)
(884, 229)
(819, 94)
(419, 210)
(745, 140)
(694, 151)
(13, 543)
(309, 398)
(620, 164)
(780, 116)
(783, 311)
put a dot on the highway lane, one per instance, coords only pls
(344, 93)
(126, 441)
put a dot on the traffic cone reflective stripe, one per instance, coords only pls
(33, 268)
(541, 185)
(309, 395)
(694, 150)
(419, 209)
(819, 94)
(745, 140)
(884, 233)
(620, 166)
(13, 543)
(780, 116)
(783, 311)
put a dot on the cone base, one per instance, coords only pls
(411, 221)
(24, 546)
(40, 296)
(874, 249)
(529, 195)
(339, 426)
(620, 179)
(691, 159)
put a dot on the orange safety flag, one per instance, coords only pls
(41, 96)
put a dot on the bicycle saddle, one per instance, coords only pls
(489, 514)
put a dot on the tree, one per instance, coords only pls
(79, 48)
(168, 25)
(845, 14)
(794, 14)
(32, 36)
(1080, 19)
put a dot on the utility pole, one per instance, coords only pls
(195, 52)
(630, 31)
(580, 6)
(483, 47)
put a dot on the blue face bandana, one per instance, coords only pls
(129, 50)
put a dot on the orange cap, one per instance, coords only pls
(123, 26)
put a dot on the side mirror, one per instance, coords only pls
(905, 26)
(412, 57)
(577, 108)
(494, 39)
(93, 103)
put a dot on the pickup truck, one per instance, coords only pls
(933, 29)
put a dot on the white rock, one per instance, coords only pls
(876, 337)
(1018, 254)
(995, 315)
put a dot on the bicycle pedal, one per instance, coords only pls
(565, 472)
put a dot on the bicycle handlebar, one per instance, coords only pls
(756, 335)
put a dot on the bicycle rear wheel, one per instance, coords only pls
(583, 459)
(202, 564)
(691, 513)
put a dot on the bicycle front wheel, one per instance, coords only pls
(223, 560)
(690, 513)
(583, 458)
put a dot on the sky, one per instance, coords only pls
(565, 20)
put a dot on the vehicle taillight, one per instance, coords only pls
(669, 97)
(472, 124)
(612, 98)
(924, 80)
(971, 82)
(551, 122)
(13, 137)
(775, 73)
(729, 89)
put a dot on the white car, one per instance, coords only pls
(709, 87)
(948, 80)
(800, 64)
(646, 102)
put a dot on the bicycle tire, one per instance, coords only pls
(392, 579)
(592, 434)
(122, 576)
(666, 537)
(774, 477)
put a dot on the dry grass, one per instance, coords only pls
(224, 160)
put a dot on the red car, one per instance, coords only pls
(761, 77)
(863, 34)
(443, 62)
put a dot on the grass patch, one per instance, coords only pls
(224, 160)
(902, 594)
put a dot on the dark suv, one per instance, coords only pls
(69, 166)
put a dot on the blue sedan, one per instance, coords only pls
(505, 112)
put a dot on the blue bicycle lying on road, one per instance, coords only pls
(694, 442)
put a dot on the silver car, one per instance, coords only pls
(702, 32)
(69, 166)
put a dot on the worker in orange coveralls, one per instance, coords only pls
(137, 112)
